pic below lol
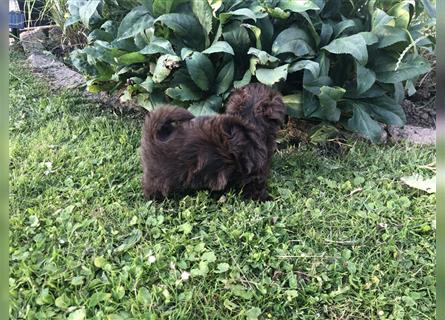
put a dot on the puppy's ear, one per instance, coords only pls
(272, 110)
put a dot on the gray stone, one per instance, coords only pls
(58, 75)
(417, 135)
(33, 40)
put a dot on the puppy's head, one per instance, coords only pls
(258, 104)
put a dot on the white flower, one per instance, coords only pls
(185, 276)
(151, 259)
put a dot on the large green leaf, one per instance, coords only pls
(278, 13)
(402, 12)
(390, 35)
(413, 67)
(294, 105)
(310, 25)
(147, 3)
(314, 85)
(219, 46)
(164, 66)
(343, 26)
(99, 34)
(362, 123)
(373, 92)
(210, 106)
(186, 52)
(80, 62)
(263, 57)
(215, 4)
(369, 37)
(312, 66)
(203, 11)
(186, 28)
(237, 36)
(136, 21)
(365, 78)
(380, 19)
(243, 13)
(125, 44)
(267, 33)
(130, 58)
(87, 11)
(387, 110)
(110, 27)
(148, 84)
(310, 103)
(292, 40)
(298, 5)
(328, 110)
(272, 76)
(73, 9)
(183, 92)
(245, 80)
(142, 39)
(161, 7)
(384, 115)
(158, 45)
(201, 70)
(252, 64)
(102, 51)
(354, 45)
(151, 101)
(256, 32)
(326, 33)
(224, 78)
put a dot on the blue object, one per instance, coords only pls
(16, 20)
(16, 17)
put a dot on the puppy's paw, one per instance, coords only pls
(258, 195)
(266, 197)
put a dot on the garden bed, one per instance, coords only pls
(420, 108)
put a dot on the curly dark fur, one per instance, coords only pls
(181, 153)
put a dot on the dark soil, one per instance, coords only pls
(420, 108)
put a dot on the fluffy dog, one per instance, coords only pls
(181, 152)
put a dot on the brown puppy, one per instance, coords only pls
(182, 153)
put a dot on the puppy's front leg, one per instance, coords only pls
(256, 189)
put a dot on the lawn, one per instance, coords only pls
(344, 239)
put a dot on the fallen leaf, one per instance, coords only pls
(418, 182)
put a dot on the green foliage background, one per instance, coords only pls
(347, 62)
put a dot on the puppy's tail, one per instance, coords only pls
(161, 123)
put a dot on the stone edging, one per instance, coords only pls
(60, 76)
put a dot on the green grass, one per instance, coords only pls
(83, 239)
